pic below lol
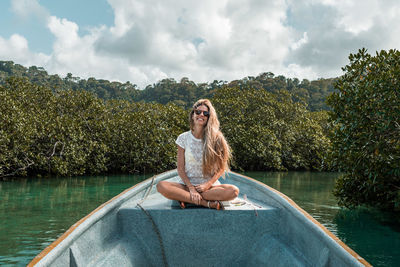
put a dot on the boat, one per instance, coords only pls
(139, 227)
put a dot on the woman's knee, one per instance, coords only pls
(233, 191)
(162, 186)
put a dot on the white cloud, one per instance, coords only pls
(201, 40)
(28, 8)
(206, 40)
(76, 54)
(300, 42)
(16, 49)
(294, 70)
(359, 16)
(337, 28)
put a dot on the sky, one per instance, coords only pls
(145, 41)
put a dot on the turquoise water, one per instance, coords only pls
(34, 212)
(374, 235)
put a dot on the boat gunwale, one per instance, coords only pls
(148, 181)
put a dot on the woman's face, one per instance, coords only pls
(200, 119)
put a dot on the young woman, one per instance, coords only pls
(203, 156)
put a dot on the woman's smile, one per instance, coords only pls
(201, 118)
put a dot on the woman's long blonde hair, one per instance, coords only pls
(217, 153)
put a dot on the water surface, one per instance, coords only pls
(35, 212)
(374, 235)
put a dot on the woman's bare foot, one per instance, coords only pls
(182, 204)
(215, 204)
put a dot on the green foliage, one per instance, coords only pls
(61, 134)
(75, 133)
(269, 131)
(366, 142)
(312, 93)
(19, 125)
(183, 93)
(38, 76)
(143, 136)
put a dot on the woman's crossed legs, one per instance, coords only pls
(209, 198)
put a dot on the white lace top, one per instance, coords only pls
(193, 157)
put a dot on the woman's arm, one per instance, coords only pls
(181, 167)
(194, 195)
(207, 185)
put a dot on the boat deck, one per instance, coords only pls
(155, 201)
(234, 234)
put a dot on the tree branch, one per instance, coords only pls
(28, 164)
(54, 149)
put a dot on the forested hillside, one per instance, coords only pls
(39, 76)
(182, 93)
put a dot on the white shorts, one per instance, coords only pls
(199, 181)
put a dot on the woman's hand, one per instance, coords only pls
(194, 195)
(202, 187)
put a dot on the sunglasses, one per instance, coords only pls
(198, 112)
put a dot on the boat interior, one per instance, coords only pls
(142, 228)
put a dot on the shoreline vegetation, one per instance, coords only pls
(66, 127)
(73, 132)
(52, 126)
